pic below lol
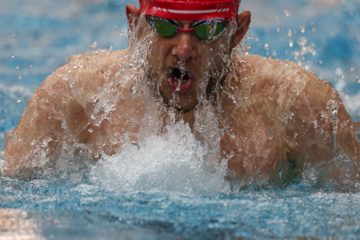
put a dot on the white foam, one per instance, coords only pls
(173, 161)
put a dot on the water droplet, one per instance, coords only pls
(267, 46)
(289, 33)
(291, 43)
(302, 41)
(94, 45)
(339, 72)
(302, 29)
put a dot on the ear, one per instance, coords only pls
(243, 24)
(132, 14)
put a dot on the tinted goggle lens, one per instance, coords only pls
(162, 27)
(206, 31)
(209, 31)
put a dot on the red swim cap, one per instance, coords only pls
(190, 9)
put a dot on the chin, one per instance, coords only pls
(178, 101)
(187, 107)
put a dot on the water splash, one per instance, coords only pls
(174, 161)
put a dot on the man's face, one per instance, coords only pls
(183, 67)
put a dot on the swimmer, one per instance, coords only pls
(272, 116)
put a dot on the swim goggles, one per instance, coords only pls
(207, 30)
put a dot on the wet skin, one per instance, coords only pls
(187, 52)
(276, 116)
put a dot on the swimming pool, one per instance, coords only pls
(171, 197)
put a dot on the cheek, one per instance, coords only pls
(210, 57)
(158, 52)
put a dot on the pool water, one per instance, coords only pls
(159, 192)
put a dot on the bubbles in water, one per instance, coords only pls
(287, 13)
(267, 46)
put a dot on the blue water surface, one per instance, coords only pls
(37, 37)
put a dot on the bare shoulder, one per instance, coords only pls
(280, 74)
(278, 84)
(86, 73)
(75, 82)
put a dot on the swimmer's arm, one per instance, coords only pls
(39, 132)
(322, 130)
(56, 114)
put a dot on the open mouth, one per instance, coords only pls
(180, 81)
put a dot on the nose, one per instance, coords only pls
(184, 48)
